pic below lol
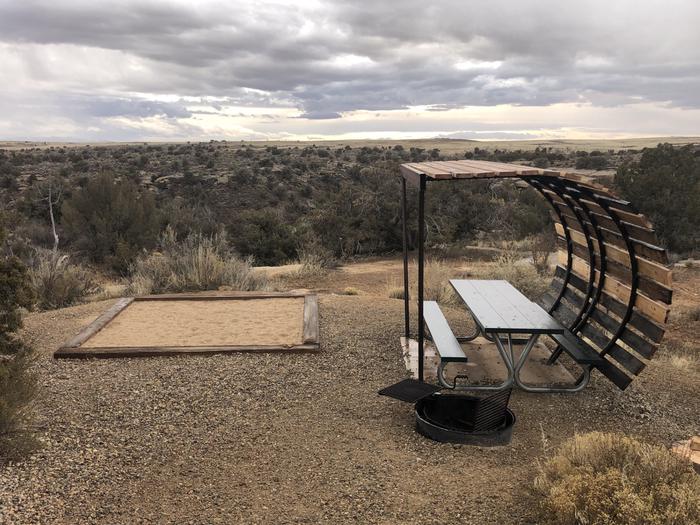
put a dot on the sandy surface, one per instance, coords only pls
(204, 323)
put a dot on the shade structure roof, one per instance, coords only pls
(612, 284)
(478, 169)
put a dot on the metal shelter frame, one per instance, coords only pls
(612, 285)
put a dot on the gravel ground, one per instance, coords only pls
(244, 438)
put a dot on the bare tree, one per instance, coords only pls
(51, 192)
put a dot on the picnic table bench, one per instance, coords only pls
(501, 311)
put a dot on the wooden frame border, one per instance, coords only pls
(310, 333)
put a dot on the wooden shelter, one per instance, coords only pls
(612, 284)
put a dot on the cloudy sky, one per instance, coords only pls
(239, 70)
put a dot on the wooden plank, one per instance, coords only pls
(99, 323)
(640, 345)
(311, 331)
(175, 350)
(574, 298)
(219, 296)
(503, 167)
(654, 310)
(411, 176)
(458, 169)
(530, 310)
(614, 374)
(565, 315)
(547, 300)
(445, 342)
(633, 218)
(614, 237)
(650, 329)
(651, 270)
(466, 169)
(646, 286)
(628, 361)
(654, 271)
(577, 349)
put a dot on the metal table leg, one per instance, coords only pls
(507, 360)
(477, 332)
(577, 387)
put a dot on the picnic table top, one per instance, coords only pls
(498, 307)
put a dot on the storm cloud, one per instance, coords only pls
(104, 65)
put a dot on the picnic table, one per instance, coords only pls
(500, 312)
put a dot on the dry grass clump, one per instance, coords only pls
(541, 247)
(692, 315)
(351, 290)
(612, 479)
(436, 286)
(510, 266)
(196, 263)
(680, 354)
(437, 283)
(59, 282)
(394, 291)
(315, 261)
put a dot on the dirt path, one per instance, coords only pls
(290, 439)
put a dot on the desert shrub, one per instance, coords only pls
(608, 479)
(111, 221)
(315, 260)
(510, 266)
(665, 185)
(541, 247)
(17, 392)
(361, 216)
(436, 285)
(311, 265)
(17, 382)
(265, 235)
(185, 218)
(15, 294)
(198, 262)
(592, 162)
(59, 282)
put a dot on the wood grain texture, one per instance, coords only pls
(311, 331)
(98, 323)
(216, 295)
(175, 350)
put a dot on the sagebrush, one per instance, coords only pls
(17, 392)
(58, 281)
(511, 266)
(17, 382)
(196, 263)
(612, 479)
(436, 284)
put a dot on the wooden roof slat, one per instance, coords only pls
(438, 170)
